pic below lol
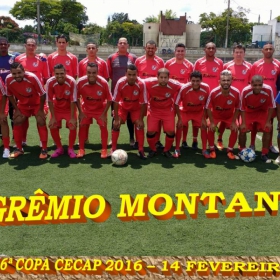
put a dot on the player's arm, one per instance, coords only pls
(268, 124)
(41, 116)
(178, 113)
(233, 125)
(143, 100)
(117, 120)
(3, 117)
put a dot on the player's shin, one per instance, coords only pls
(82, 136)
(151, 139)
(242, 140)
(253, 135)
(195, 133)
(43, 134)
(169, 139)
(203, 135)
(115, 137)
(72, 138)
(56, 137)
(140, 138)
(104, 136)
(222, 129)
(178, 138)
(211, 139)
(185, 133)
(25, 126)
(232, 139)
(18, 136)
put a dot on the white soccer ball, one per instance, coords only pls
(119, 157)
(247, 155)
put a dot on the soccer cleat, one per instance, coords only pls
(206, 154)
(142, 155)
(167, 154)
(274, 149)
(58, 152)
(212, 154)
(152, 154)
(131, 142)
(159, 145)
(71, 153)
(185, 145)
(81, 153)
(6, 153)
(231, 155)
(177, 153)
(252, 147)
(277, 161)
(135, 146)
(104, 153)
(194, 145)
(265, 159)
(44, 154)
(220, 145)
(16, 153)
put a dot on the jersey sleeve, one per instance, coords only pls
(75, 67)
(49, 91)
(50, 64)
(105, 71)
(143, 97)
(73, 91)
(38, 86)
(2, 87)
(81, 69)
(117, 92)
(109, 65)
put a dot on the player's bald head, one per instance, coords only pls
(226, 73)
(163, 71)
(257, 78)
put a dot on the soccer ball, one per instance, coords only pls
(247, 155)
(119, 157)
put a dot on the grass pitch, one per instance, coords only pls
(190, 173)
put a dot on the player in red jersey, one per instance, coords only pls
(62, 97)
(62, 56)
(269, 68)
(148, 66)
(30, 95)
(96, 99)
(192, 99)
(257, 107)
(117, 64)
(180, 69)
(92, 50)
(3, 120)
(223, 106)
(37, 65)
(130, 97)
(241, 77)
(277, 100)
(161, 94)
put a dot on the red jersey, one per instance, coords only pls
(241, 74)
(192, 100)
(148, 67)
(69, 61)
(210, 71)
(257, 103)
(36, 65)
(162, 97)
(102, 67)
(223, 106)
(179, 71)
(61, 95)
(269, 72)
(2, 90)
(130, 96)
(94, 96)
(27, 92)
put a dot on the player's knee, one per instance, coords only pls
(170, 134)
(151, 134)
(115, 129)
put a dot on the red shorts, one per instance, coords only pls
(167, 118)
(62, 116)
(29, 111)
(195, 117)
(134, 114)
(259, 120)
(89, 117)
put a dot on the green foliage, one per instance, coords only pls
(169, 14)
(278, 19)
(10, 30)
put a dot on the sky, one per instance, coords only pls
(98, 11)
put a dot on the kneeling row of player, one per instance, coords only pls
(192, 103)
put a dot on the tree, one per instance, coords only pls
(120, 17)
(151, 19)
(10, 29)
(169, 14)
(239, 27)
(52, 12)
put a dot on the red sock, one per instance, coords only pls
(185, 133)
(25, 126)
(270, 143)
(264, 151)
(222, 129)
(115, 137)
(152, 142)
(82, 136)
(72, 138)
(232, 139)
(87, 134)
(18, 136)
(253, 135)
(168, 143)
(6, 142)
(140, 138)
(203, 135)
(195, 133)
(158, 132)
(56, 137)
(43, 134)
(178, 137)
(104, 136)
(211, 138)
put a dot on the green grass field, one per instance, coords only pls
(91, 175)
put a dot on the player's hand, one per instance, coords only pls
(139, 124)
(103, 118)
(268, 126)
(180, 124)
(234, 127)
(41, 118)
(203, 124)
(212, 127)
(18, 117)
(52, 123)
(72, 124)
(3, 118)
(116, 123)
(81, 117)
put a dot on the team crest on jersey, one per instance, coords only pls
(135, 92)
(99, 93)
(154, 67)
(67, 62)
(167, 94)
(215, 69)
(201, 97)
(67, 92)
(273, 72)
(229, 102)
(262, 100)
(11, 60)
(182, 71)
(244, 71)
(35, 64)
(28, 89)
